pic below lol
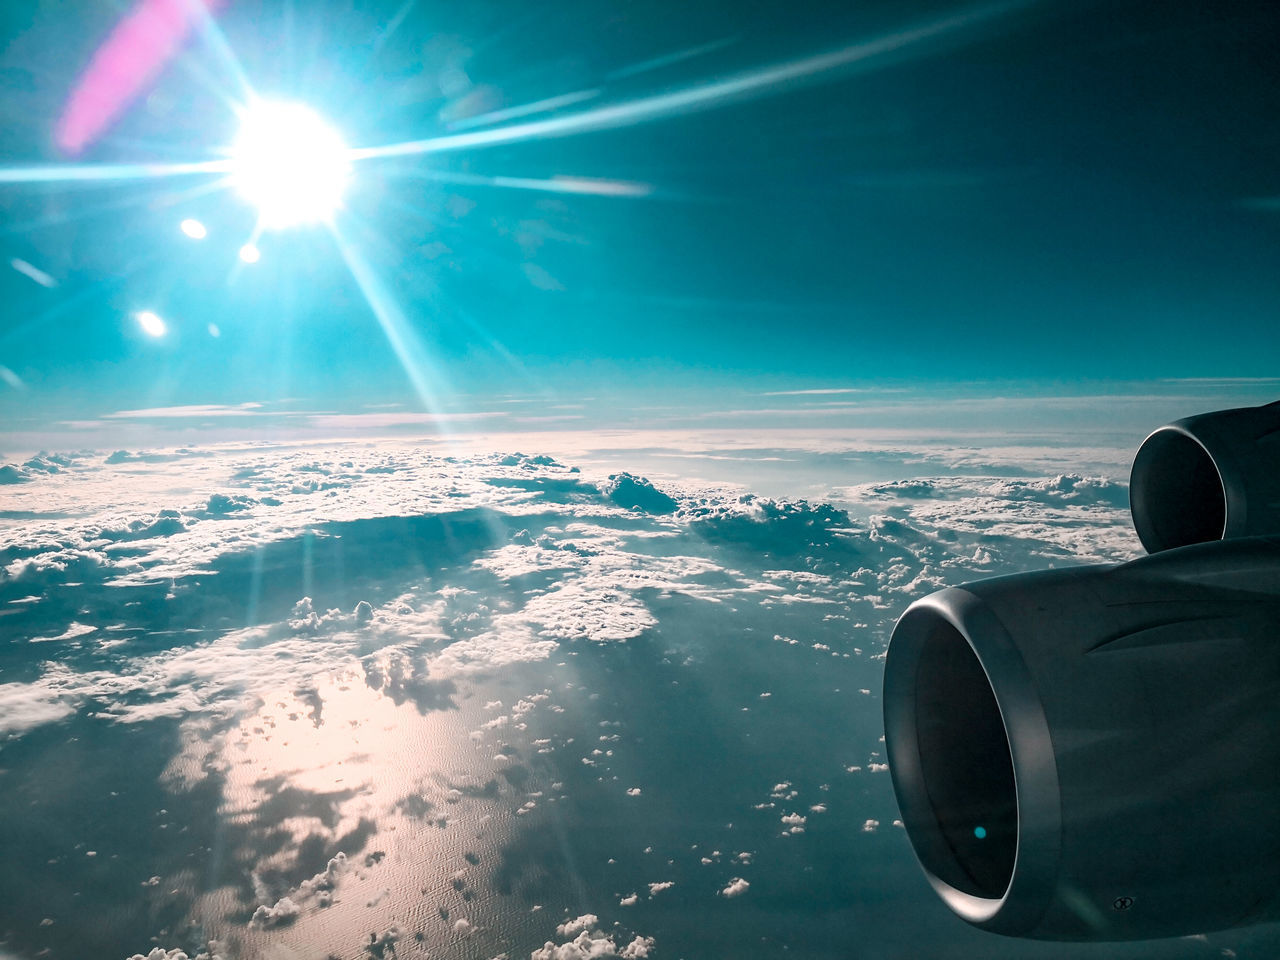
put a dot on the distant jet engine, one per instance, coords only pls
(1094, 753)
(1208, 477)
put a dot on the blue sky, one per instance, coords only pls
(1029, 192)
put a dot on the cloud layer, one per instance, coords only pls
(387, 675)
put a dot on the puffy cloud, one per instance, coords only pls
(221, 504)
(770, 527)
(638, 948)
(637, 493)
(1019, 522)
(793, 822)
(492, 650)
(10, 474)
(25, 706)
(383, 945)
(165, 523)
(602, 578)
(324, 882)
(584, 941)
(571, 927)
(453, 571)
(657, 888)
(284, 912)
(49, 463)
(590, 611)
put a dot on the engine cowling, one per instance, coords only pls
(1208, 477)
(1094, 753)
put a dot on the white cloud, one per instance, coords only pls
(73, 631)
(28, 705)
(508, 645)
(197, 411)
(284, 912)
(584, 941)
(453, 570)
(572, 927)
(341, 422)
(825, 391)
(324, 882)
(33, 273)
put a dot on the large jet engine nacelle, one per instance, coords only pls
(1208, 477)
(1094, 753)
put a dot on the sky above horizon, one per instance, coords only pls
(713, 199)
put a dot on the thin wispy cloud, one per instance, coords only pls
(346, 421)
(32, 272)
(194, 410)
(825, 391)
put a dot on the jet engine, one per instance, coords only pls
(1208, 477)
(1093, 753)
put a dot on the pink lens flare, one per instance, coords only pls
(126, 64)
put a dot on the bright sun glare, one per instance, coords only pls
(289, 163)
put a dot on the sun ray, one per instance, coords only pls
(426, 379)
(82, 212)
(525, 109)
(701, 97)
(669, 59)
(213, 37)
(109, 172)
(393, 25)
(586, 186)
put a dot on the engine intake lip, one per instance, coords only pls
(1005, 899)
(1178, 494)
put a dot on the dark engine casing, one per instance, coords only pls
(1208, 477)
(1094, 753)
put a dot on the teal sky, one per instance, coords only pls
(1035, 193)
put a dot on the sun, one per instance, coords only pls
(289, 163)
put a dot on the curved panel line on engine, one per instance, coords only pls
(1170, 631)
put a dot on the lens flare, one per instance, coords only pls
(151, 323)
(194, 229)
(290, 164)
